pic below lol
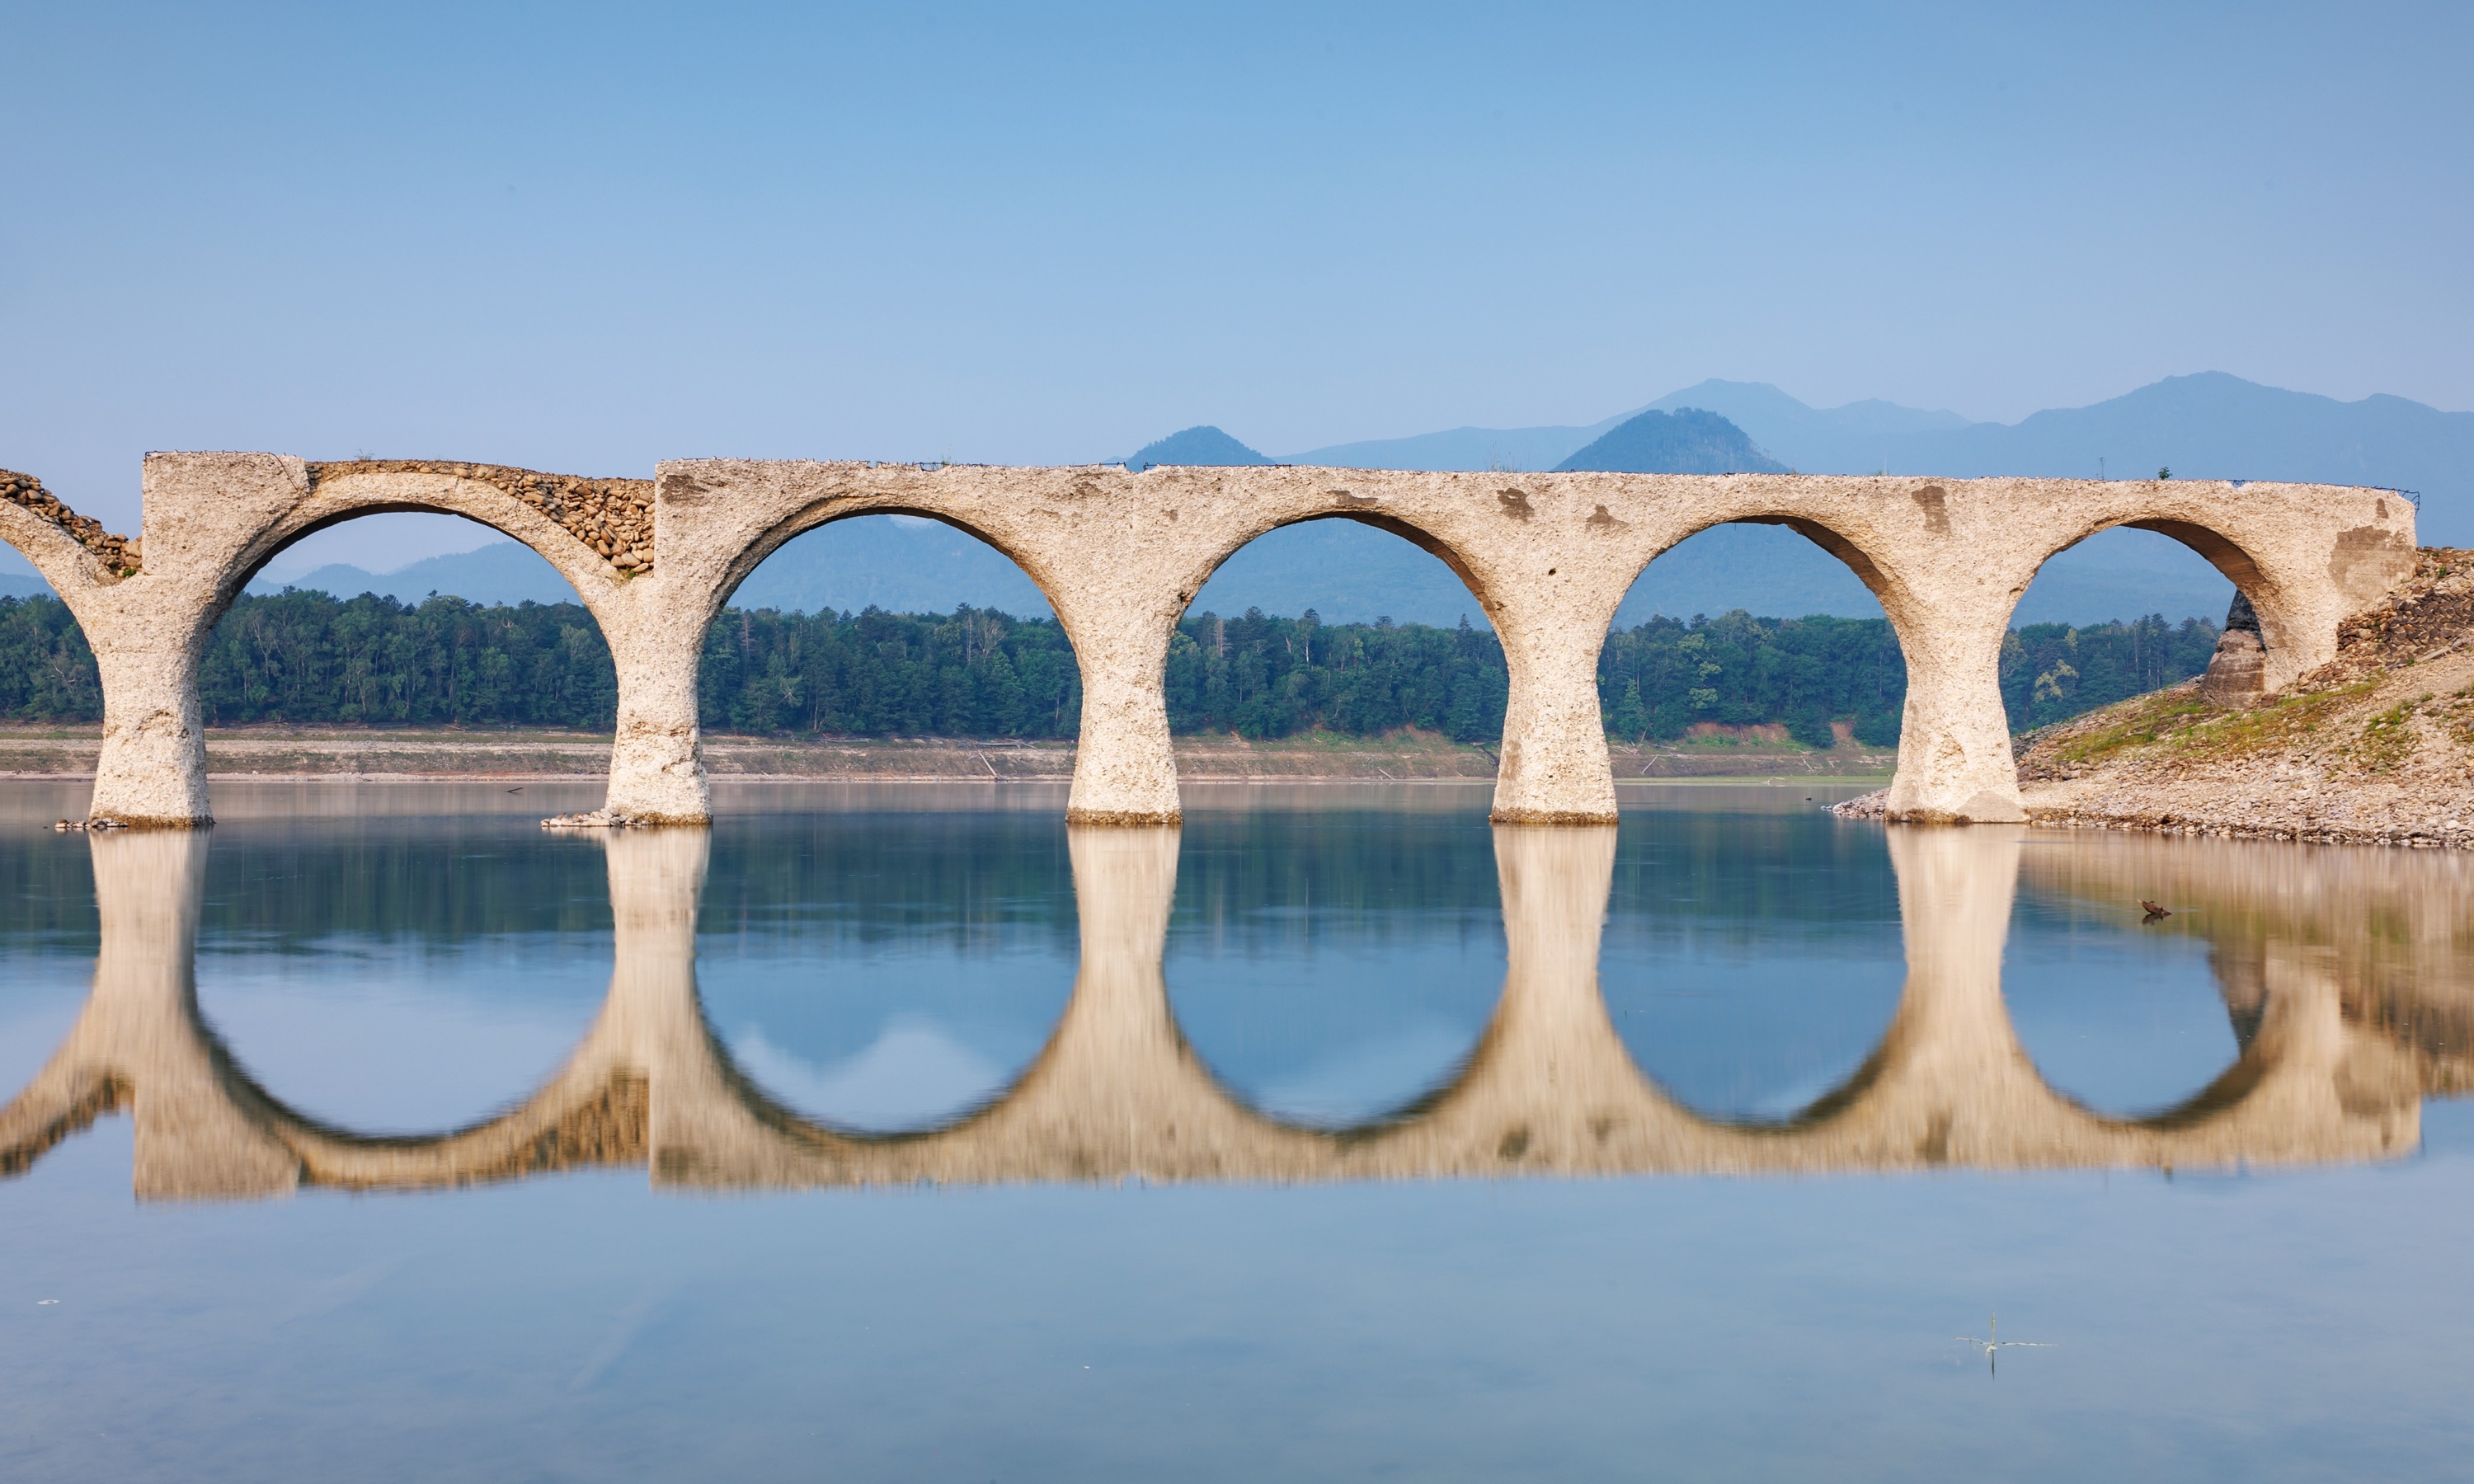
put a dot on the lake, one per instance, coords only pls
(889, 1132)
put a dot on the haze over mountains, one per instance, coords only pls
(2210, 425)
(1776, 422)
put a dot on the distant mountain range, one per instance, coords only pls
(2210, 425)
(2205, 426)
(1780, 424)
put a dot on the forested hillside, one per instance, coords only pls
(305, 657)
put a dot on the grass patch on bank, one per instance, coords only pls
(2178, 722)
(2388, 738)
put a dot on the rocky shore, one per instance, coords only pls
(2374, 748)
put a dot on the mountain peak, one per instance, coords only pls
(1688, 441)
(1203, 445)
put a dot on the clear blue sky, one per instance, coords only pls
(588, 238)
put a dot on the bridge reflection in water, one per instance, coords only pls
(2343, 973)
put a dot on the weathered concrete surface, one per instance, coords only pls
(2324, 1073)
(1549, 557)
(1120, 554)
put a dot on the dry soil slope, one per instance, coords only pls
(2377, 746)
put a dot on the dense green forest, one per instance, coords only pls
(2053, 672)
(308, 658)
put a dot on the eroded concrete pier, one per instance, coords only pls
(1120, 554)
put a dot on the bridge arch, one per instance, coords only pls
(1405, 527)
(2299, 578)
(2267, 635)
(1121, 553)
(741, 515)
(807, 521)
(75, 555)
(1873, 559)
(562, 522)
(979, 711)
(1859, 551)
(212, 521)
(72, 552)
(1473, 709)
(1511, 540)
(224, 644)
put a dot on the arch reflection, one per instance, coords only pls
(1752, 958)
(1335, 967)
(887, 971)
(2348, 1032)
(2372, 946)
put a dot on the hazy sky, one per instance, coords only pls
(588, 238)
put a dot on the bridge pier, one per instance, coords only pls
(139, 1044)
(1550, 1082)
(1555, 767)
(194, 1138)
(1124, 770)
(152, 772)
(657, 774)
(1955, 761)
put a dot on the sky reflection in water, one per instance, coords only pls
(1320, 962)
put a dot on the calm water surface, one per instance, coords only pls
(904, 1134)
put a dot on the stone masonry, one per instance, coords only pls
(613, 517)
(118, 554)
(1120, 554)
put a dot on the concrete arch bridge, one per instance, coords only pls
(1117, 1093)
(1120, 554)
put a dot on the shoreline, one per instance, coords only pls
(65, 755)
(45, 803)
(2049, 807)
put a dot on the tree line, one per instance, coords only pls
(306, 657)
